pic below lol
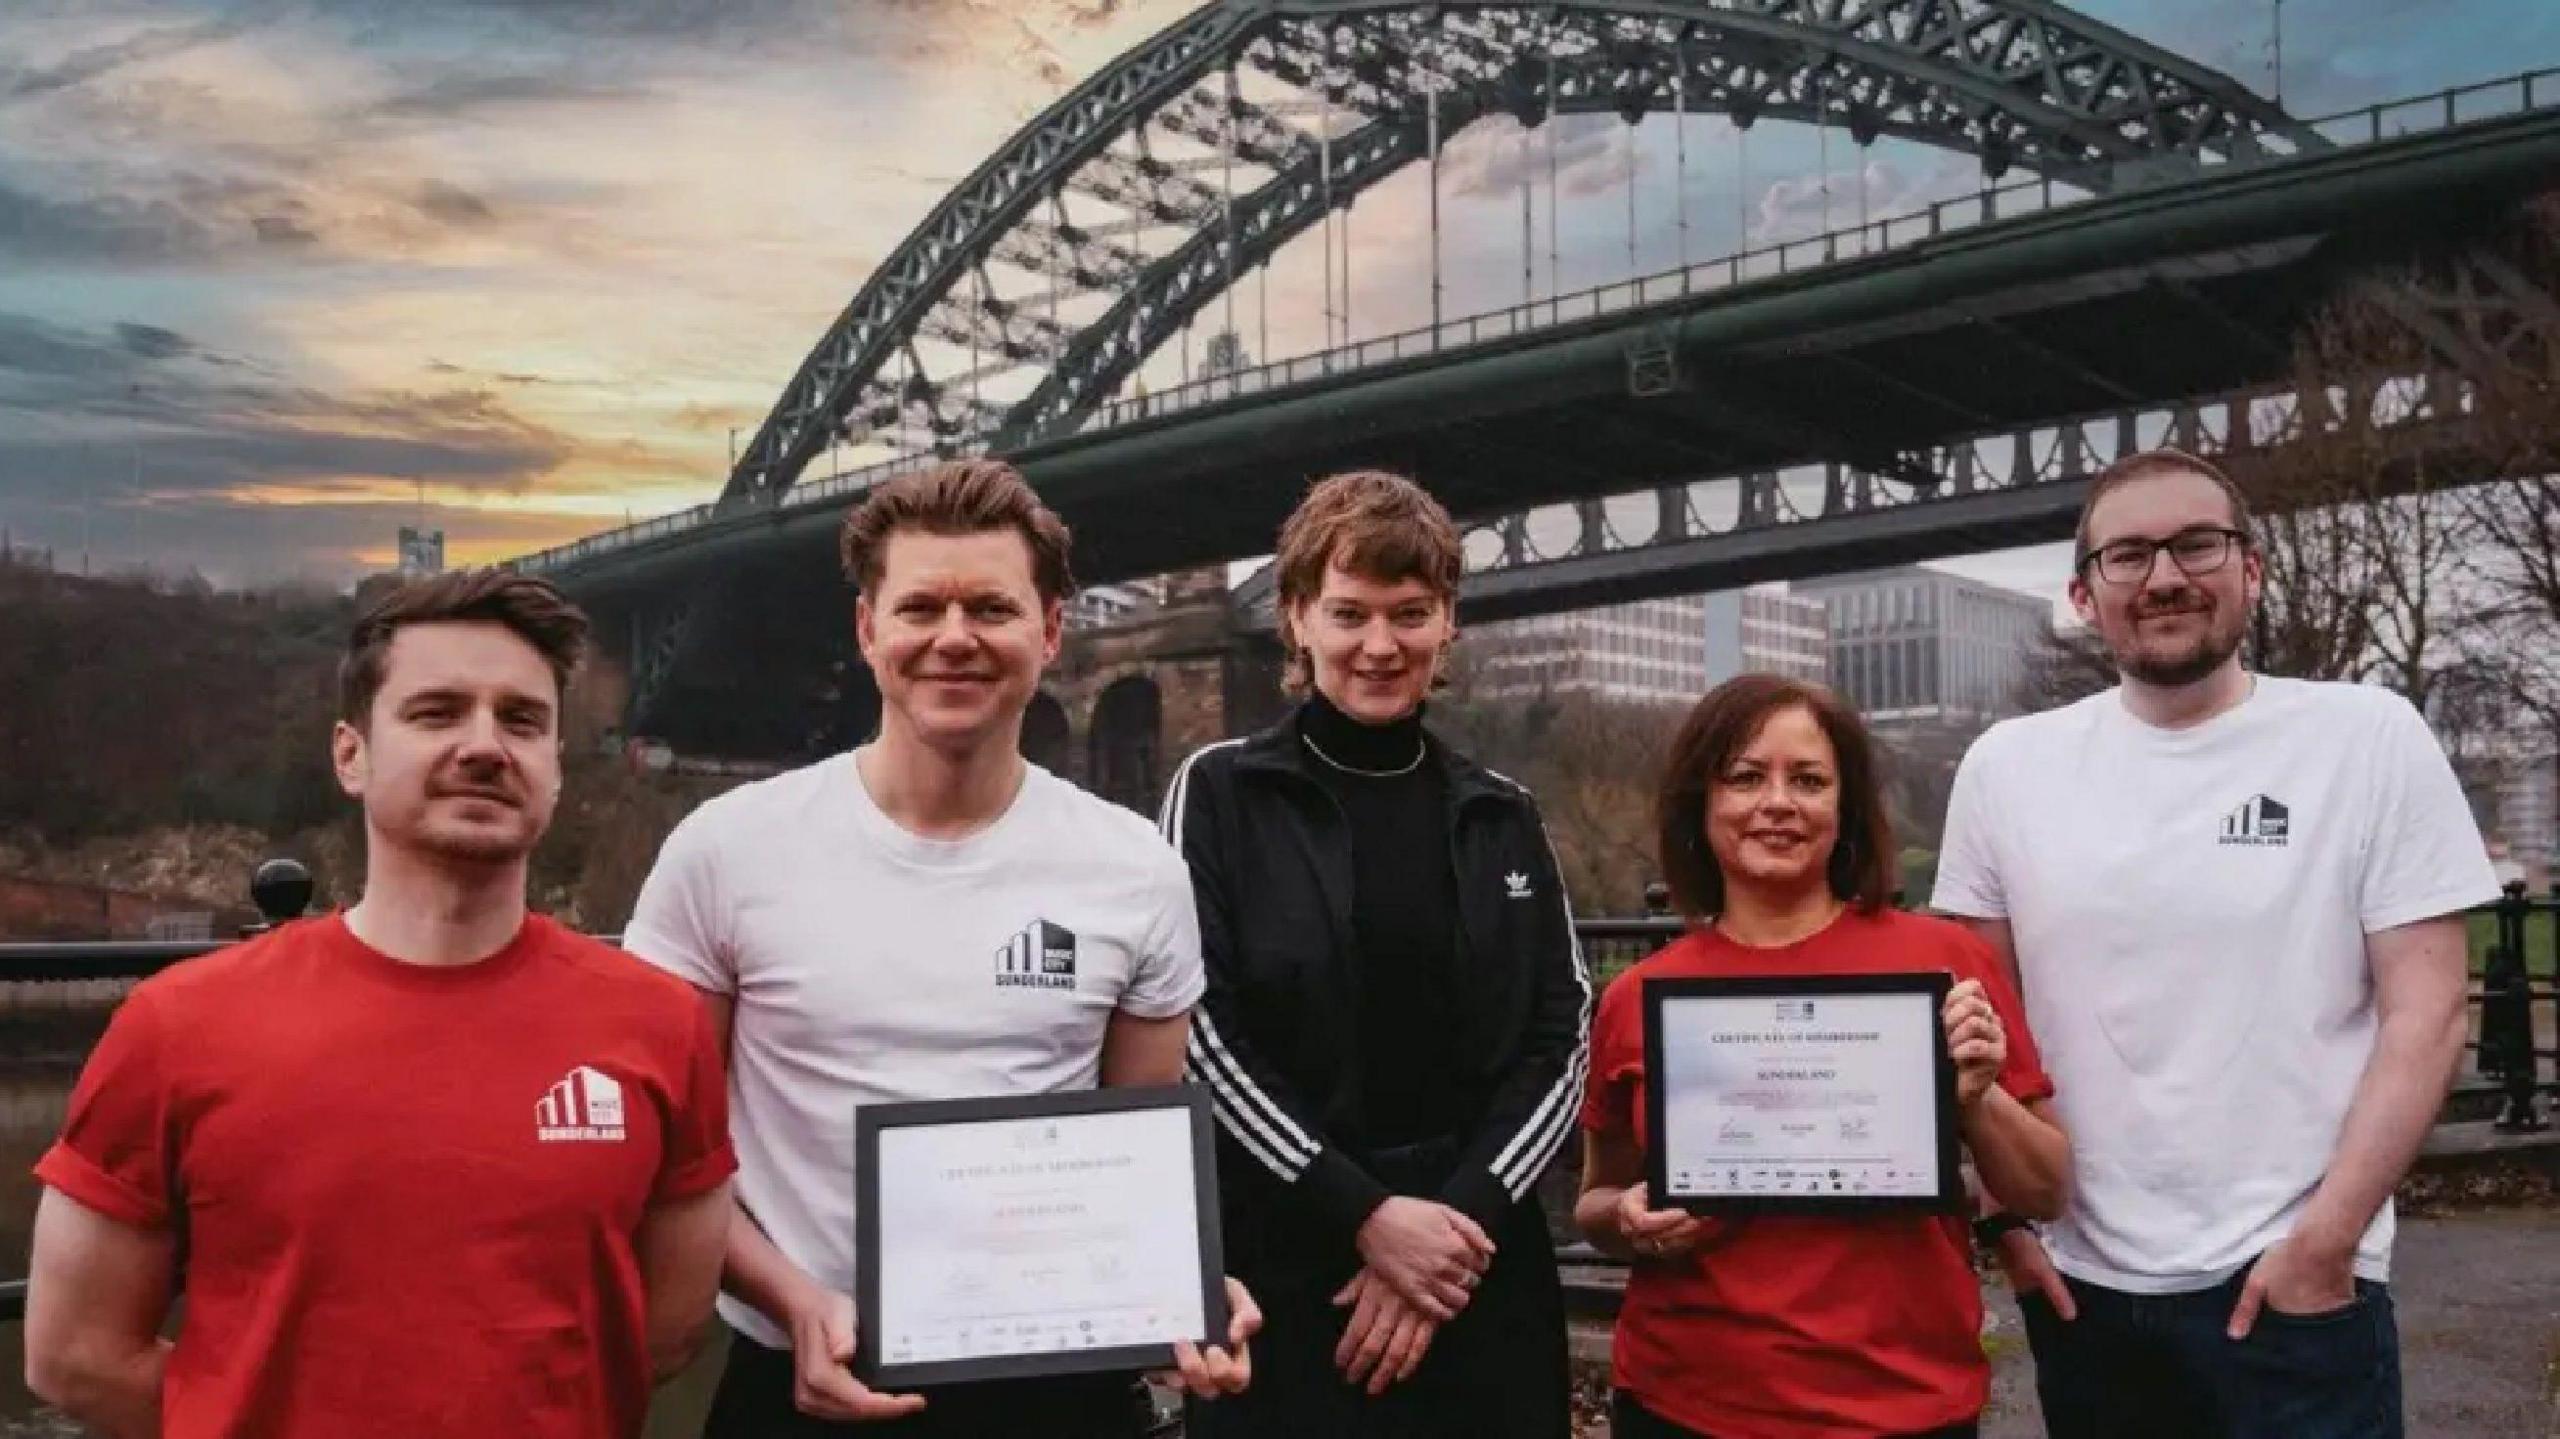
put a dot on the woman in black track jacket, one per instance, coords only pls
(1395, 1024)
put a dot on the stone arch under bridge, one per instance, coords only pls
(1210, 678)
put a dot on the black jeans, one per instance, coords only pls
(2132, 1366)
(754, 1402)
(1630, 1420)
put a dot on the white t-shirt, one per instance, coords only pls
(870, 965)
(2190, 910)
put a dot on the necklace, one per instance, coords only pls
(1421, 752)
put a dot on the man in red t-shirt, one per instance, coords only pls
(432, 1167)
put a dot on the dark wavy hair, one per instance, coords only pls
(1724, 720)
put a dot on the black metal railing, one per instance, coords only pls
(2514, 1059)
(2509, 1052)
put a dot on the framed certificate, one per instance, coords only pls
(1812, 1094)
(1056, 1234)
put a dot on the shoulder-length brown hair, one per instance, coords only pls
(1862, 857)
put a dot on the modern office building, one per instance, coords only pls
(1919, 646)
(1650, 652)
(1766, 630)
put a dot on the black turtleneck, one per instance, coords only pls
(1404, 903)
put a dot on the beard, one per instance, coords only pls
(456, 840)
(2187, 661)
(477, 846)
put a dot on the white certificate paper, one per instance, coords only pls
(1817, 1096)
(1046, 1235)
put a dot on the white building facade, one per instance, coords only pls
(1766, 630)
(1919, 646)
(1649, 652)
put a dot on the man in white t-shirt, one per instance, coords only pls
(2234, 904)
(926, 917)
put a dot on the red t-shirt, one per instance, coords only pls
(1797, 1327)
(408, 1196)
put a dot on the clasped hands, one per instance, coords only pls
(1420, 1263)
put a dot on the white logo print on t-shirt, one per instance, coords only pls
(586, 1105)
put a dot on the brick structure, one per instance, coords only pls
(1126, 703)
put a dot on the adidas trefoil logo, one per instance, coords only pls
(585, 1106)
(2262, 821)
(1516, 885)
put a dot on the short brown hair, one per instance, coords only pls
(1377, 525)
(2165, 460)
(1723, 721)
(962, 497)
(537, 613)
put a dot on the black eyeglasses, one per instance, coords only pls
(2197, 550)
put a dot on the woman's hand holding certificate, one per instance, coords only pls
(1975, 1041)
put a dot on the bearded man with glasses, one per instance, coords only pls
(2233, 902)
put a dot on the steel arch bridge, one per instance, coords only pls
(1035, 290)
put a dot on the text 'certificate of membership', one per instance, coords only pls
(1812, 1094)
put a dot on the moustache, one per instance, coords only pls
(2197, 605)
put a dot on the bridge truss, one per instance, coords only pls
(1104, 228)
(2454, 362)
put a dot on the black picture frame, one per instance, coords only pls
(872, 1120)
(1658, 993)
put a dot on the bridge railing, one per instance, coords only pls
(808, 492)
(2391, 119)
(2370, 124)
(2460, 105)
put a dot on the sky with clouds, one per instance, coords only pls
(279, 276)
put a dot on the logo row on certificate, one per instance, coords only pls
(1033, 1336)
(1783, 1179)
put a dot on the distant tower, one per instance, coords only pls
(1225, 354)
(421, 549)
(421, 552)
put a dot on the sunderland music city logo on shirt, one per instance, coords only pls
(1043, 956)
(585, 1106)
(2261, 821)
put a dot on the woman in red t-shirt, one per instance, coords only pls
(1775, 844)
